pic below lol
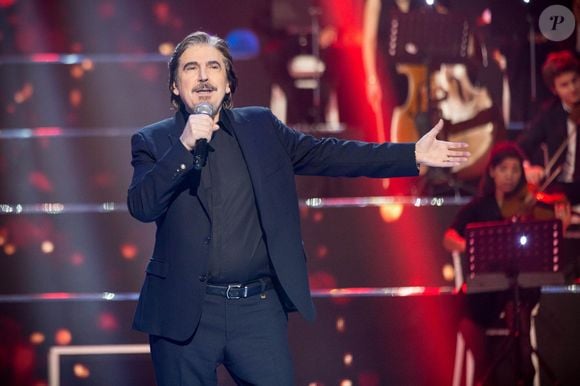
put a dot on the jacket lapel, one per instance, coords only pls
(248, 141)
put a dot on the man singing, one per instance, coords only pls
(228, 262)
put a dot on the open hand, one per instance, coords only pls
(433, 152)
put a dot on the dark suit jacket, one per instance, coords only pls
(549, 127)
(166, 189)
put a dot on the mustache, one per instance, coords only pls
(204, 87)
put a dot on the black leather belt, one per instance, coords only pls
(240, 290)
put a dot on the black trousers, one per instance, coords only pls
(248, 336)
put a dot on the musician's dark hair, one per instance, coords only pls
(499, 152)
(558, 63)
(196, 38)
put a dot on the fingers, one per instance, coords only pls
(454, 145)
(201, 126)
(447, 160)
(437, 128)
(198, 126)
(453, 162)
(455, 153)
(454, 158)
(458, 156)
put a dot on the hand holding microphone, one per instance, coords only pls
(197, 132)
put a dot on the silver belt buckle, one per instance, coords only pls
(236, 286)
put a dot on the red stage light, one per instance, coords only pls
(129, 251)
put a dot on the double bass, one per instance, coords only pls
(467, 110)
(432, 49)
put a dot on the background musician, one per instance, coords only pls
(503, 194)
(554, 127)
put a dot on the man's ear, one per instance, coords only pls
(174, 89)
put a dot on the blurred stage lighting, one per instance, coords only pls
(244, 44)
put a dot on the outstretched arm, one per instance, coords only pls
(433, 152)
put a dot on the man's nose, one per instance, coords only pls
(202, 75)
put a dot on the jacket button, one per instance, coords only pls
(202, 278)
(207, 240)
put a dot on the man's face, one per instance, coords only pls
(567, 88)
(201, 77)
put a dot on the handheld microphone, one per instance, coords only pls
(200, 150)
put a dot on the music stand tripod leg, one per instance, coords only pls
(546, 368)
(506, 349)
(513, 341)
(527, 348)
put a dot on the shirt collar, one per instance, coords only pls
(225, 123)
(566, 107)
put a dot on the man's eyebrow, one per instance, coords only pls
(214, 62)
(193, 62)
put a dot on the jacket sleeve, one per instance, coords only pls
(466, 215)
(533, 136)
(347, 158)
(157, 178)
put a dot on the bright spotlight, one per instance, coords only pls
(347, 359)
(81, 370)
(523, 240)
(340, 324)
(47, 247)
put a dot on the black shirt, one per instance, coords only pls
(238, 250)
(478, 210)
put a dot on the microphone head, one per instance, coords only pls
(203, 108)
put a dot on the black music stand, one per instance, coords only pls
(428, 37)
(510, 255)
